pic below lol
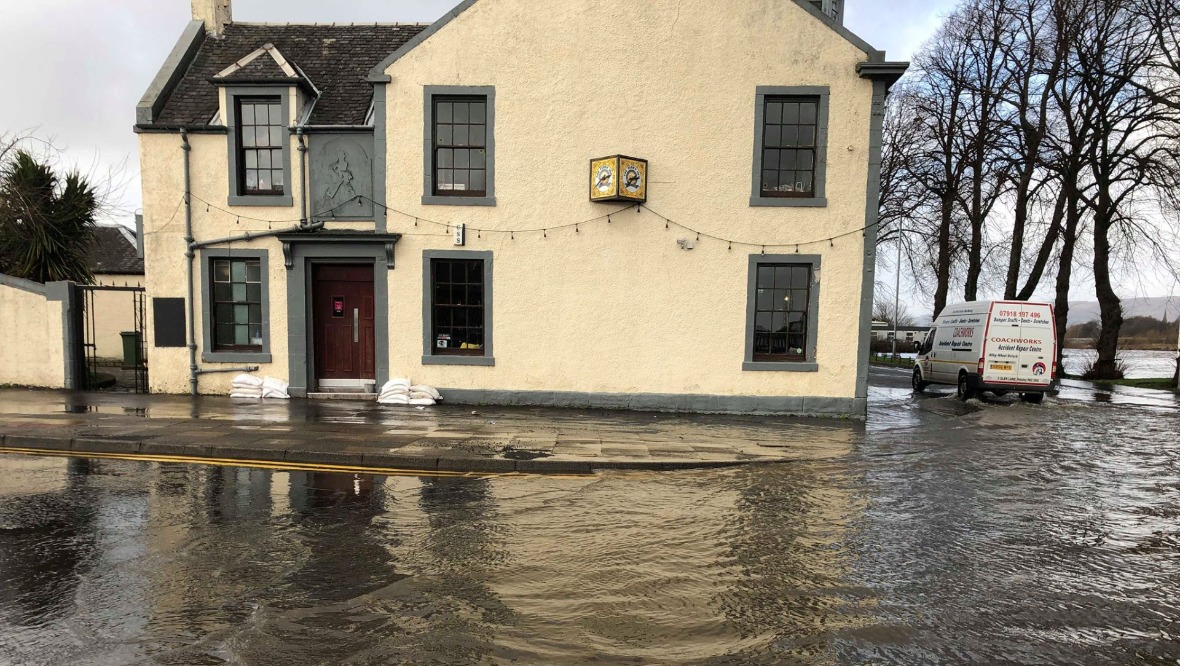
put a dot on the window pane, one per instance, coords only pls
(222, 292)
(248, 138)
(446, 158)
(478, 112)
(264, 159)
(241, 334)
(769, 181)
(264, 181)
(254, 293)
(804, 183)
(261, 114)
(276, 115)
(251, 159)
(251, 179)
(478, 136)
(779, 323)
(766, 277)
(762, 321)
(461, 112)
(261, 136)
(807, 112)
(788, 160)
(478, 180)
(442, 271)
(462, 158)
(461, 135)
(478, 159)
(239, 271)
(475, 295)
(241, 314)
(445, 135)
(239, 292)
(443, 112)
(276, 136)
(791, 113)
(255, 335)
(800, 280)
(764, 301)
(782, 300)
(221, 271)
(247, 114)
(277, 179)
(790, 135)
(774, 112)
(224, 335)
(253, 271)
(255, 314)
(446, 179)
(807, 135)
(224, 314)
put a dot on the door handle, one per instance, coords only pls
(356, 324)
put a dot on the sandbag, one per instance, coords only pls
(247, 381)
(251, 395)
(275, 385)
(395, 400)
(422, 402)
(275, 395)
(423, 388)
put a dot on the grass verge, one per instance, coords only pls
(1157, 383)
(891, 362)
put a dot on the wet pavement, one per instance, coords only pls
(939, 532)
(365, 434)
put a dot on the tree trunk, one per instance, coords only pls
(1064, 270)
(944, 255)
(1016, 251)
(1106, 367)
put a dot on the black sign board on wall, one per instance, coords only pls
(168, 320)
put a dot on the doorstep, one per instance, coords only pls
(341, 395)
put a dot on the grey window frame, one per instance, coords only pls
(819, 198)
(428, 196)
(208, 354)
(236, 196)
(428, 355)
(810, 364)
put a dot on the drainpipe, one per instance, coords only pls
(303, 212)
(190, 255)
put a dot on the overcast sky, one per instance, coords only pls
(73, 70)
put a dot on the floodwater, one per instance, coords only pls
(1139, 363)
(940, 532)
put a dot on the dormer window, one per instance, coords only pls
(260, 125)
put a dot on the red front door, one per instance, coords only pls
(343, 321)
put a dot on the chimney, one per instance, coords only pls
(215, 14)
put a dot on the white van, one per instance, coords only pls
(998, 346)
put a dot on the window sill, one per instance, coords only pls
(435, 200)
(788, 202)
(274, 201)
(784, 366)
(486, 361)
(235, 357)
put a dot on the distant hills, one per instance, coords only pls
(1160, 307)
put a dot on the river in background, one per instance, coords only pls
(940, 532)
(1140, 364)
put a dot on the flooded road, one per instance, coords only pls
(940, 532)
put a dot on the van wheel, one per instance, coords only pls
(1033, 398)
(964, 391)
(918, 384)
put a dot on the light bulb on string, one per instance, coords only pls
(577, 230)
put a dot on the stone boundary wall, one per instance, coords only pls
(34, 329)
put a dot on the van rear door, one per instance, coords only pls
(1020, 345)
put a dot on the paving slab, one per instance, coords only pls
(484, 440)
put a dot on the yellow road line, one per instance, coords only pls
(271, 465)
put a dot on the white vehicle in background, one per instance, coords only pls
(998, 346)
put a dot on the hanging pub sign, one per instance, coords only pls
(618, 178)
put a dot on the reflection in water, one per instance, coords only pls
(947, 534)
(47, 543)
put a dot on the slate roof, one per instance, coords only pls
(113, 252)
(335, 58)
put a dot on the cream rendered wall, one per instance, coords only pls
(114, 312)
(620, 308)
(31, 329)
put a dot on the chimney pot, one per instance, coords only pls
(215, 14)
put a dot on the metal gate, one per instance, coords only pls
(134, 365)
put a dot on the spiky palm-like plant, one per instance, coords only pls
(46, 224)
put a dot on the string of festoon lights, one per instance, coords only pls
(609, 218)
